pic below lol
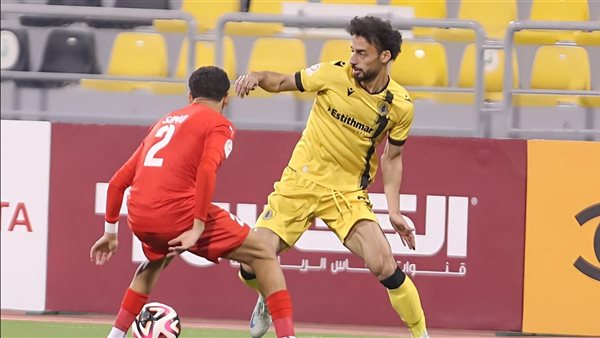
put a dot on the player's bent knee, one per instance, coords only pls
(382, 266)
(261, 262)
(264, 239)
(252, 249)
(266, 253)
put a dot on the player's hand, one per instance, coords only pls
(406, 231)
(186, 240)
(245, 83)
(104, 248)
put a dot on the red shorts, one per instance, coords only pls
(223, 233)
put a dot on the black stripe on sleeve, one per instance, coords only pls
(396, 142)
(299, 82)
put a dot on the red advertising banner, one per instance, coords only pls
(466, 198)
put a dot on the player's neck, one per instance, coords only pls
(216, 106)
(377, 85)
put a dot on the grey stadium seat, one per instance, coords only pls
(68, 51)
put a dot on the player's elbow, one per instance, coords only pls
(389, 160)
(116, 184)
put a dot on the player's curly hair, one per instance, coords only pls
(209, 82)
(378, 32)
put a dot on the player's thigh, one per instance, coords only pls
(155, 245)
(254, 248)
(342, 210)
(366, 240)
(290, 208)
(223, 233)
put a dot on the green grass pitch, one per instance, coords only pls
(33, 329)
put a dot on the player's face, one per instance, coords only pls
(365, 60)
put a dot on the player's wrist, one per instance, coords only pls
(394, 212)
(111, 228)
(259, 76)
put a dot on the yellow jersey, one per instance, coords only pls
(345, 125)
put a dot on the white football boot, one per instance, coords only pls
(260, 320)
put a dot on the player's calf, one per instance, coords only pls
(405, 300)
(130, 306)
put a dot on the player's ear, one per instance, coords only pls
(225, 99)
(385, 56)
(190, 98)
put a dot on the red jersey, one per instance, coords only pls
(172, 174)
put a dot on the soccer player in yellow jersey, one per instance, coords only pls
(357, 107)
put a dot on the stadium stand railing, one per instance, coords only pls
(481, 125)
(508, 104)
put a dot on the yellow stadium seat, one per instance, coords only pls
(133, 54)
(493, 75)
(335, 50)
(494, 16)
(421, 64)
(560, 68)
(205, 56)
(260, 29)
(431, 9)
(280, 55)
(206, 13)
(544, 10)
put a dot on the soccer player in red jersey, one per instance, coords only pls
(172, 177)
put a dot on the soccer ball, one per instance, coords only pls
(156, 320)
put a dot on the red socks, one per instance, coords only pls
(279, 304)
(280, 307)
(132, 304)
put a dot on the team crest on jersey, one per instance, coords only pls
(312, 69)
(383, 108)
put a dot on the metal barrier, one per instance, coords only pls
(509, 43)
(399, 23)
(290, 20)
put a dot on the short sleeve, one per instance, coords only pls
(399, 132)
(315, 77)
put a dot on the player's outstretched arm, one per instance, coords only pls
(269, 81)
(391, 168)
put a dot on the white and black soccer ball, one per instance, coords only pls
(156, 320)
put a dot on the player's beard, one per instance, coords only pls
(365, 76)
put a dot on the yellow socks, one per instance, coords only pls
(407, 304)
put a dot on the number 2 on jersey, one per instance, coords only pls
(166, 132)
